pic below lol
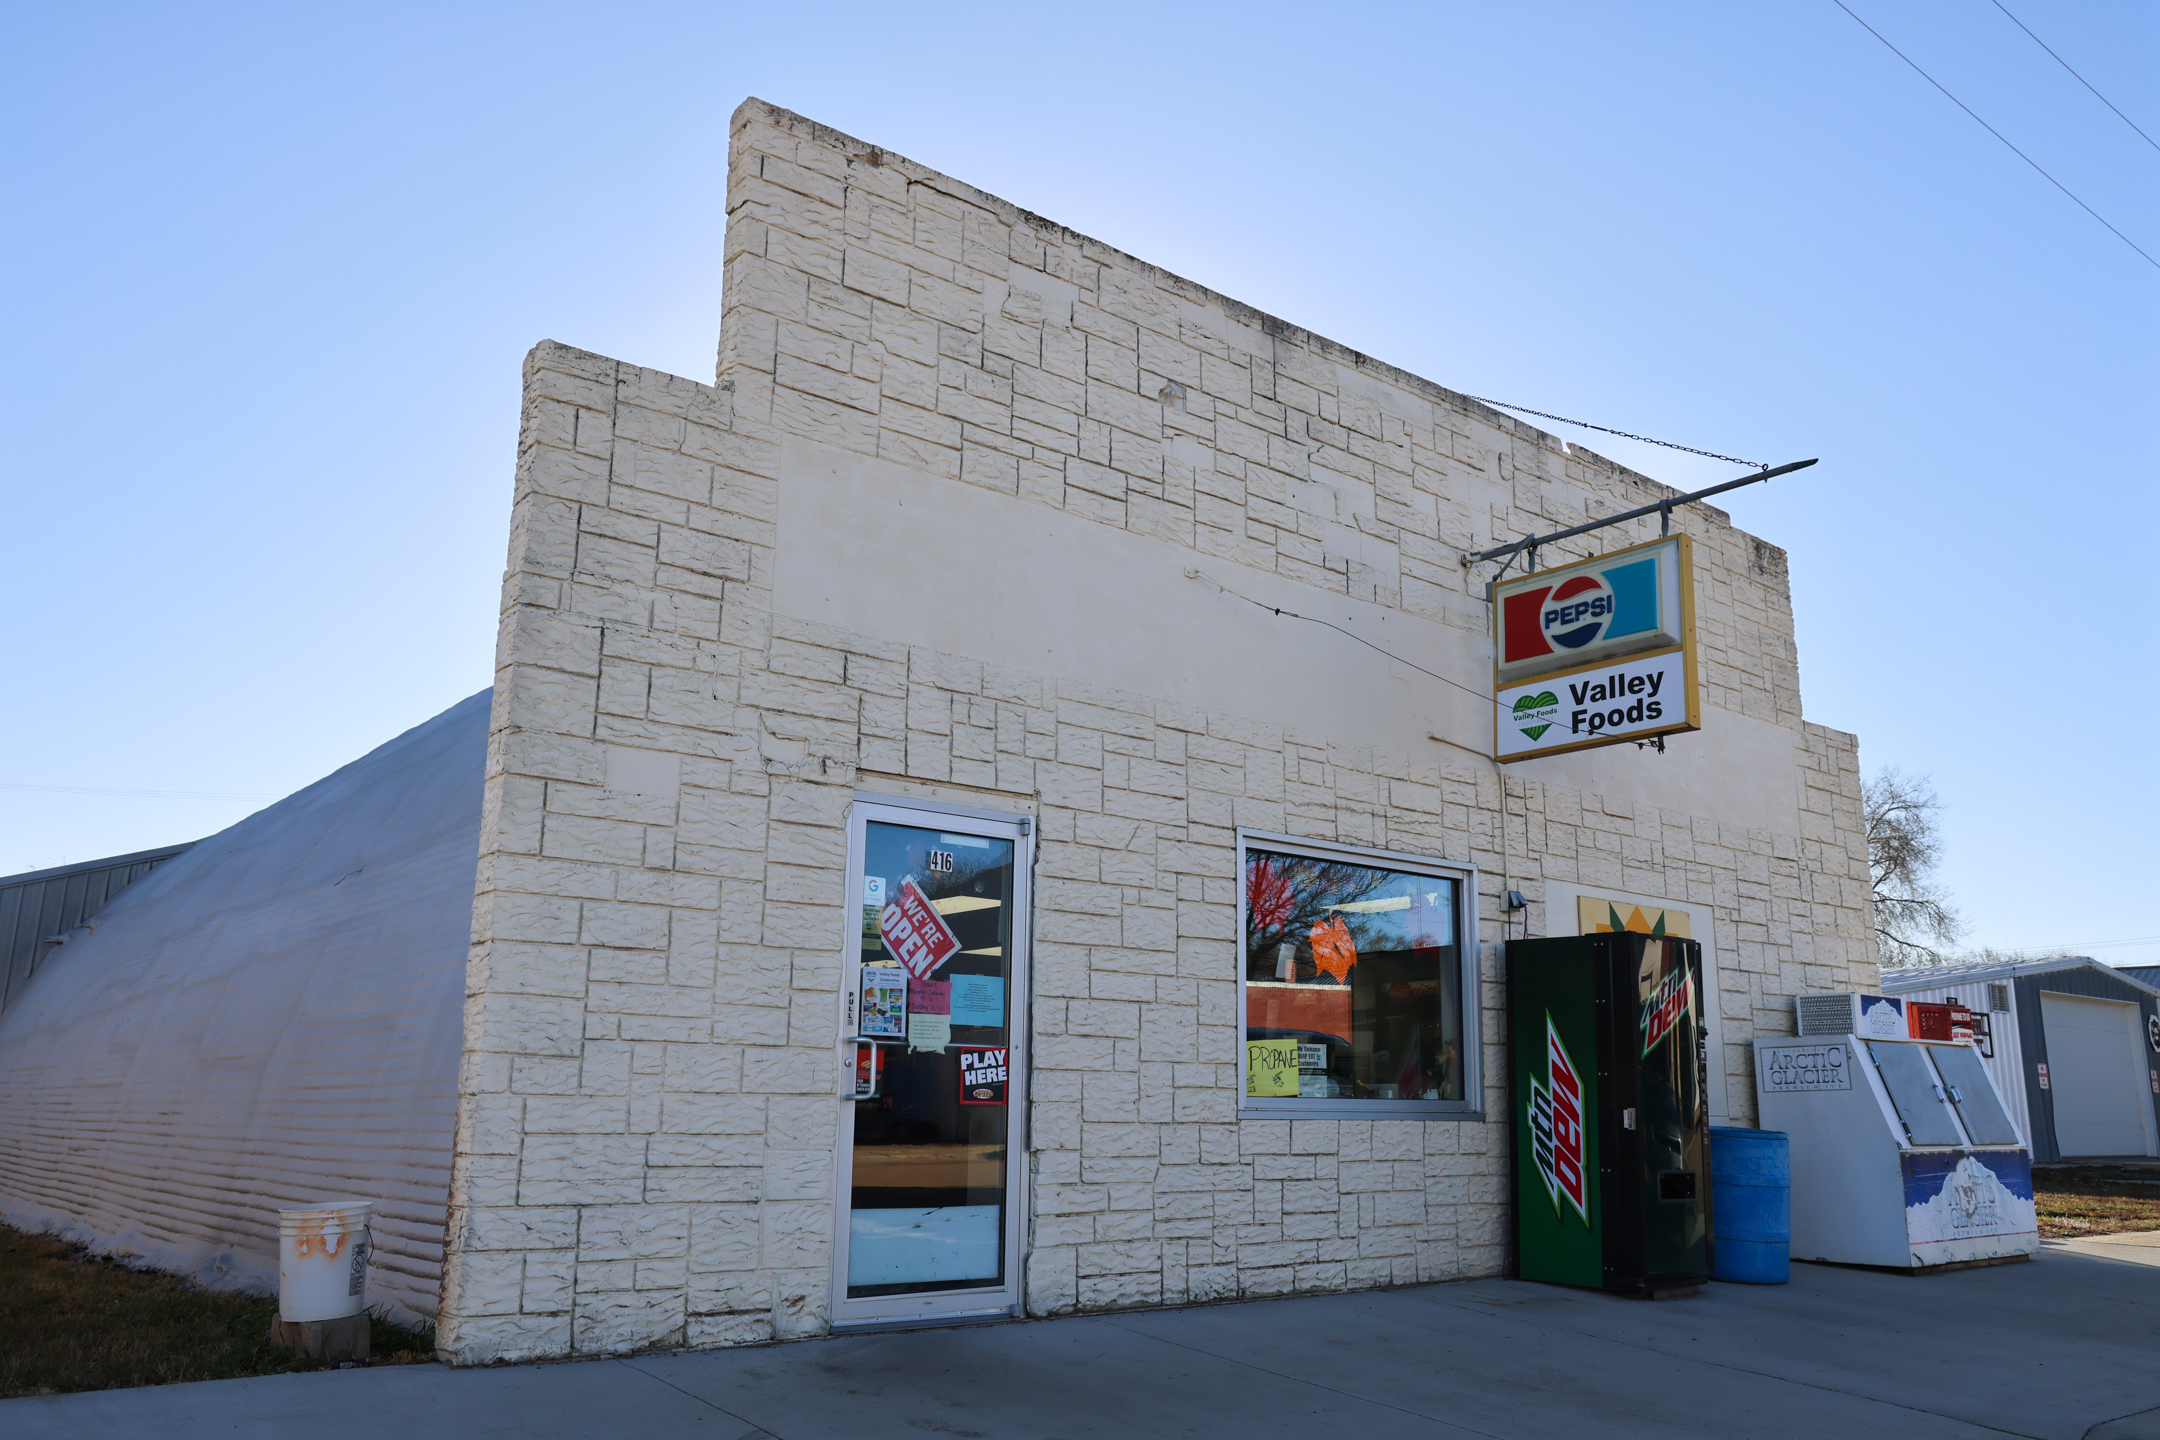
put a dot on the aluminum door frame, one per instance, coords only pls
(945, 1305)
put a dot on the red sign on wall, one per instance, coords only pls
(916, 934)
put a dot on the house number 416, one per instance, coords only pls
(941, 862)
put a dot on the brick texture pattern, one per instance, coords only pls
(647, 1129)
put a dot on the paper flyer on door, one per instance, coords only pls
(929, 1032)
(883, 1011)
(978, 1000)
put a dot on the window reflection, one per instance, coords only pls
(1352, 981)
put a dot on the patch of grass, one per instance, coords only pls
(2096, 1199)
(71, 1322)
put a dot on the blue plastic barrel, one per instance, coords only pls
(1751, 1205)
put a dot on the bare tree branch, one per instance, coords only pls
(1911, 909)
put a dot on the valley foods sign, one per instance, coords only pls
(1596, 652)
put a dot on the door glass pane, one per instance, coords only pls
(1974, 1097)
(927, 1205)
(1353, 981)
(1912, 1085)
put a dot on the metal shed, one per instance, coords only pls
(40, 908)
(2077, 1051)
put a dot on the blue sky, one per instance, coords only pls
(274, 269)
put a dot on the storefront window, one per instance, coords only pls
(1353, 982)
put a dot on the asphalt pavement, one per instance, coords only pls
(2064, 1346)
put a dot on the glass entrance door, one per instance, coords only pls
(930, 1163)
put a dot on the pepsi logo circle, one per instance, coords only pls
(1577, 612)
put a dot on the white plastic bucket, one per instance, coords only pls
(322, 1259)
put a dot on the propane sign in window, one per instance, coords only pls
(1596, 652)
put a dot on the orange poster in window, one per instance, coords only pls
(1332, 950)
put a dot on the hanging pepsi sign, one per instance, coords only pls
(1596, 652)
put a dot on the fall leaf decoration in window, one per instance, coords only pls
(1332, 949)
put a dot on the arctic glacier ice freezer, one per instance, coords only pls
(1902, 1152)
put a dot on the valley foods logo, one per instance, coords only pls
(1634, 700)
(1663, 1009)
(1641, 696)
(1614, 605)
(1556, 1128)
(1534, 714)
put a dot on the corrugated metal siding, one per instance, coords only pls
(2032, 1030)
(2099, 985)
(44, 905)
(273, 1018)
(2007, 1064)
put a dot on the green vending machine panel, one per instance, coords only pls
(1612, 1156)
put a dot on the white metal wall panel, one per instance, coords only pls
(270, 1019)
(2007, 1064)
(2096, 1076)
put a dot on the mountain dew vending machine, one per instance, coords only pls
(1612, 1144)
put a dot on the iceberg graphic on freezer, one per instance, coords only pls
(1967, 1195)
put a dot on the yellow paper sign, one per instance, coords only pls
(929, 1032)
(1271, 1067)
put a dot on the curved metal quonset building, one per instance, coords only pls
(270, 1018)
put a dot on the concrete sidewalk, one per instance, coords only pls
(2061, 1347)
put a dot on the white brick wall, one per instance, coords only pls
(647, 1131)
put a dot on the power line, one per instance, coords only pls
(140, 794)
(1310, 620)
(2079, 78)
(1623, 434)
(1996, 133)
(2072, 949)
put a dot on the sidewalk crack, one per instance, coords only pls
(755, 1432)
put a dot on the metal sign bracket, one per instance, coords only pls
(1528, 545)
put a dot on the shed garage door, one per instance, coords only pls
(2101, 1102)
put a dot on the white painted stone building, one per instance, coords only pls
(956, 555)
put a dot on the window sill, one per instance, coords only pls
(1288, 1109)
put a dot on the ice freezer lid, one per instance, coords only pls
(1966, 1081)
(1922, 1103)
